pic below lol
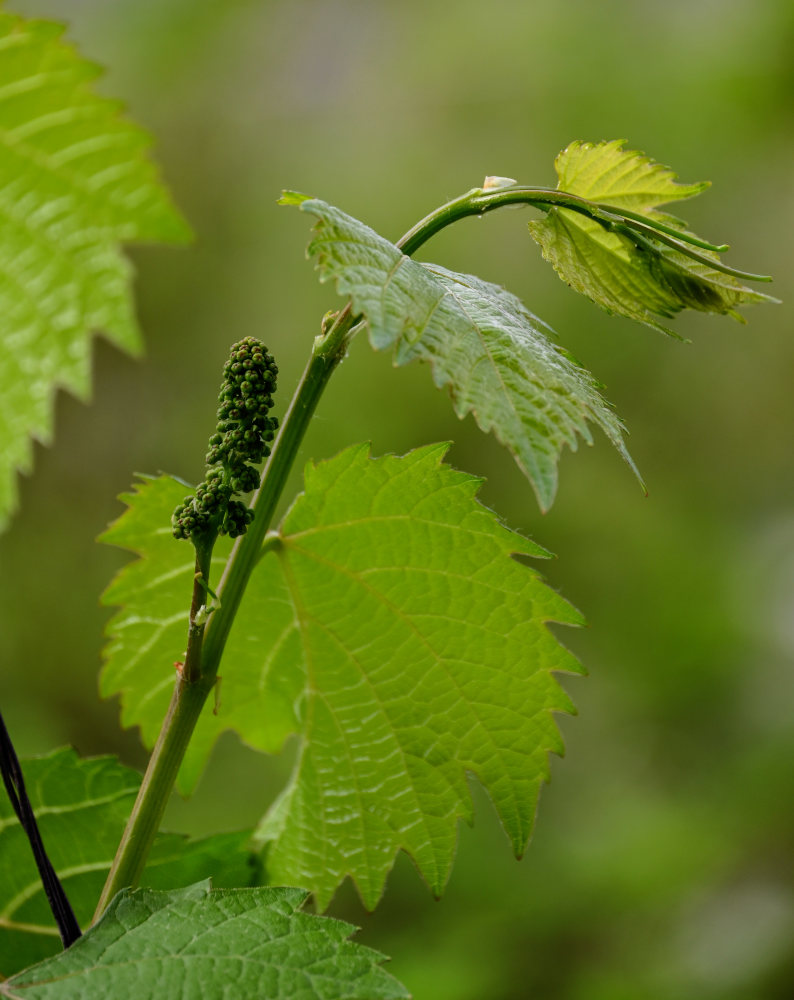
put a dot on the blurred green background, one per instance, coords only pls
(661, 866)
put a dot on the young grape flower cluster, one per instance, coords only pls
(240, 442)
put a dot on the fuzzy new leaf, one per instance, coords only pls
(623, 271)
(82, 807)
(496, 359)
(75, 183)
(214, 944)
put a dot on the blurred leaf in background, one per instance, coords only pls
(75, 183)
(661, 863)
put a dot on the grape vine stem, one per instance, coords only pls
(197, 678)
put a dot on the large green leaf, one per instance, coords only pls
(625, 272)
(387, 624)
(82, 807)
(425, 657)
(215, 944)
(497, 360)
(75, 182)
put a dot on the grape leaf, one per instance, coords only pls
(214, 944)
(75, 182)
(496, 359)
(606, 173)
(389, 626)
(624, 272)
(149, 633)
(426, 657)
(82, 807)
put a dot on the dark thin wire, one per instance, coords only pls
(15, 786)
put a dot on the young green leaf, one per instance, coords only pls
(75, 182)
(149, 632)
(624, 271)
(607, 173)
(496, 359)
(82, 807)
(387, 624)
(214, 944)
(147, 636)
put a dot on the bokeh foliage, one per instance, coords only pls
(661, 860)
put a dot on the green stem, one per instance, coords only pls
(478, 201)
(158, 782)
(644, 222)
(191, 669)
(206, 642)
(328, 351)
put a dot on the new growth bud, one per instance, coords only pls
(240, 443)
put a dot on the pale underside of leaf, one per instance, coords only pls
(603, 266)
(509, 373)
(626, 273)
(496, 359)
(75, 182)
(637, 280)
(82, 807)
(213, 944)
